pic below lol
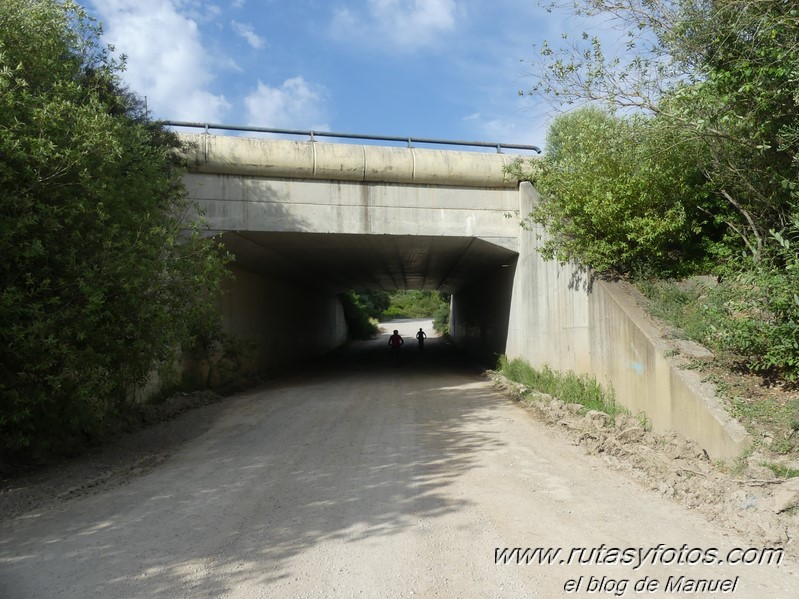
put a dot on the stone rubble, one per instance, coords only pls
(749, 499)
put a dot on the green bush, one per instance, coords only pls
(441, 319)
(395, 313)
(693, 169)
(100, 282)
(752, 313)
(415, 304)
(613, 200)
(356, 314)
(762, 308)
(373, 302)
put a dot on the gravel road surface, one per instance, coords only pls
(356, 478)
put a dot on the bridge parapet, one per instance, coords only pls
(278, 158)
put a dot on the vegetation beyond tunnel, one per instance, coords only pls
(364, 308)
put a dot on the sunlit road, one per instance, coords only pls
(355, 478)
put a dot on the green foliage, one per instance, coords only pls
(357, 314)
(720, 77)
(361, 306)
(415, 304)
(619, 194)
(568, 387)
(701, 171)
(441, 317)
(374, 302)
(753, 313)
(100, 285)
(742, 104)
(695, 308)
(763, 308)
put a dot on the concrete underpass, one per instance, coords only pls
(286, 285)
(310, 220)
(349, 477)
(355, 476)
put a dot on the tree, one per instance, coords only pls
(721, 79)
(619, 195)
(357, 313)
(374, 301)
(722, 74)
(100, 283)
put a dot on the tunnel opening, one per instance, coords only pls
(284, 295)
(374, 358)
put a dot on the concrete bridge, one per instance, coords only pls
(309, 220)
(317, 219)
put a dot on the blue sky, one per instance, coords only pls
(447, 69)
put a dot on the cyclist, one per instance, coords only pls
(395, 342)
(420, 337)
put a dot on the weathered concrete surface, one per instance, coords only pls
(480, 311)
(274, 158)
(244, 184)
(240, 203)
(324, 218)
(358, 479)
(284, 323)
(558, 319)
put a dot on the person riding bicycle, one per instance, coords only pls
(420, 337)
(395, 342)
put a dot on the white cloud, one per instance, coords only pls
(519, 126)
(510, 131)
(402, 24)
(296, 104)
(246, 31)
(166, 59)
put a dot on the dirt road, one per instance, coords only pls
(360, 479)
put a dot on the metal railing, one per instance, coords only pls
(314, 134)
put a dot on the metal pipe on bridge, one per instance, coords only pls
(313, 134)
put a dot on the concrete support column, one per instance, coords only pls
(479, 315)
(549, 315)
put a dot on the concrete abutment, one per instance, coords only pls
(559, 318)
(284, 323)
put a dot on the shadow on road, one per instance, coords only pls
(375, 356)
(351, 455)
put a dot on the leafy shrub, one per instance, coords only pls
(356, 314)
(763, 308)
(441, 319)
(415, 304)
(613, 199)
(752, 313)
(373, 302)
(101, 284)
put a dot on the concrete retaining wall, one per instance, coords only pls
(286, 324)
(558, 319)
